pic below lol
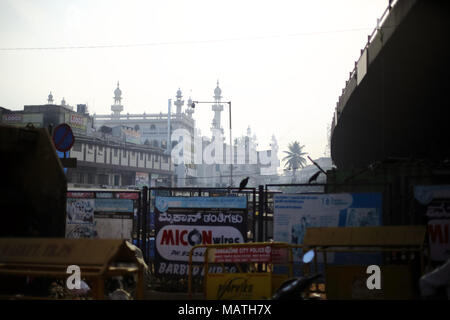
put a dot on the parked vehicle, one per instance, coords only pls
(297, 288)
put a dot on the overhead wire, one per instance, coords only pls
(180, 42)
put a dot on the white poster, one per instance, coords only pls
(294, 213)
(110, 228)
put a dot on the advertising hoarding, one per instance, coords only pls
(239, 286)
(433, 206)
(12, 118)
(294, 213)
(248, 254)
(76, 121)
(22, 119)
(105, 215)
(182, 222)
(142, 179)
(131, 135)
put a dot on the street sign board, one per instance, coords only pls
(63, 137)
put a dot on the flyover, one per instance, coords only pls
(396, 101)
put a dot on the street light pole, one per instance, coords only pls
(231, 138)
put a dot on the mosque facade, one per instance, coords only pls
(153, 129)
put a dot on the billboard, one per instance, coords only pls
(433, 207)
(12, 118)
(76, 121)
(183, 222)
(80, 218)
(101, 214)
(142, 179)
(239, 286)
(131, 135)
(294, 213)
(22, 119)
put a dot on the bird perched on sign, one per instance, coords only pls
(243, 184)
(314, 176)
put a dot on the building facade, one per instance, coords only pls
(153, 128)
(106, 161)
(112, 157)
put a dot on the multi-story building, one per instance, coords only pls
(193, 170)
(103, 159)
(110, 156)
(153, 128)
(132, 149)
(260, 166)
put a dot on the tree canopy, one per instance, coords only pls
(295, 156)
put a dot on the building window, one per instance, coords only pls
(116, 151)
(80, 177)
(90, 146)
(76, 147)
(103, 179)
(132, 154)
(152, 127)
(166, 159)
(91, 178)
(116, 180)
(156, 158)
(127, 180)
(100, 149)
(141, 156)
(124, 153)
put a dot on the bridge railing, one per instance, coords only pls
(353, 75)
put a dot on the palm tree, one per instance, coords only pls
(295, 158)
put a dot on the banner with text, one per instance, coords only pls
(104, 215)
(183, 222)
(294, 213)
(433, 203)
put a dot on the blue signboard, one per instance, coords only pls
(61, 155)
(162, 203)
(114, 205)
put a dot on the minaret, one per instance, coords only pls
(189, 110)
(63, 102)
(117, 107)
(217, 107)
(179, 103)
(50, 98)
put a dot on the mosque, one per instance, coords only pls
(156, 129)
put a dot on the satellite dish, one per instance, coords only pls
(308, 256)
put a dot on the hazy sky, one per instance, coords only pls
(282, 63)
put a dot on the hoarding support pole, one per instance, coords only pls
(139, 222)
(145, 212)
(260, 213)
(254, 216)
